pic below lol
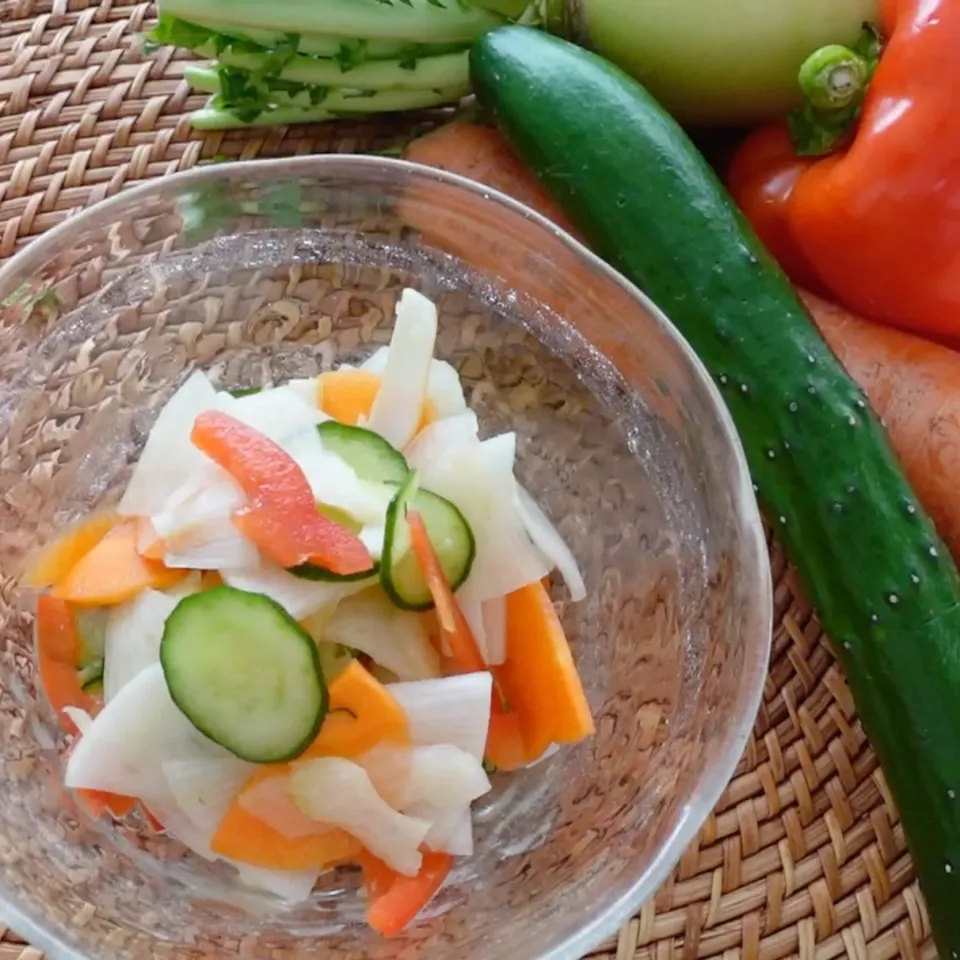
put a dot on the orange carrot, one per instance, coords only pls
(149, 542)
(97, 802)
(57, 559)
(539, 676)
(404, 897)
(348, 396)
(362, 713)
(281, 515)
(58, 647)
(505, 748)
(914, 385)
(245, 837)
(453, 624)
(210, 579)
(113, 571)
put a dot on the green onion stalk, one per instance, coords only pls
(303, 61)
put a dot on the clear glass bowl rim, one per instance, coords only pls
(720, 771)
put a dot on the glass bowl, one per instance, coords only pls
(259, 271)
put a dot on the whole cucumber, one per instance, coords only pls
(868, 555)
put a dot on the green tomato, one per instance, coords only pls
(717, 62)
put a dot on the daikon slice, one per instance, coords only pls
(452, 829)
(494, 615)
(132, 638)
(270, 801)
(395, 638)
(276, 412)
(548, 541)
(290, 886)
(204, 789)
(433, 447)
(472, 610)
(299, 597)
(454, 710)
(479, 479)
(398, 406)
(128, 742)
(441, 774)
(443, 383)
(338, 792)
(81, 719)
(168, 457)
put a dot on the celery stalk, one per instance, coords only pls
(424, 73)
(421, 21)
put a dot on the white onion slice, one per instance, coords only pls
(453, 710)
(338, 792)
(168, 457)
(479, 479)
(205, 789)
(434, 445)
(270, 801)
(132, 638)
(403, 385)
(452, 830)
(276, 412)
(395, 638)
(441, 774)
(548, 541)
(299, 597)
(128, 742)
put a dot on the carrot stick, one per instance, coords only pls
(453, 624)
(404, 897)
(57, 559)
(97, 802)
(361, 714)
(58, 647)
(505, 748)
(113, 571)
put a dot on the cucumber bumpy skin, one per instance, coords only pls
(868, 555)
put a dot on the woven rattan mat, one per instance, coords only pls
(803, 856)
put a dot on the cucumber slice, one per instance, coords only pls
(90, 676)
(449, 533)
(365, 452)
(244, 673)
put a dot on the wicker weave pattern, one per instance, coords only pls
(804, 856)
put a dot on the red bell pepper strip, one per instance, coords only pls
(876, 222)
(280, 516)
(395, 901)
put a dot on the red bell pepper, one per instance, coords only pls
(876, 225)
(280, 516)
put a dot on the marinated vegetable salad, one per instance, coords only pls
(314, 622)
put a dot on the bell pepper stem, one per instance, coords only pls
(834, 77)
(834, 81)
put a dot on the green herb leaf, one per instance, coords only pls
(351, 54)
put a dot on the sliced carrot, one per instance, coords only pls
(152, 819)
(405, 897)
(362, 713)
(113, 571)
(539, 677)
(58, 647)
(97, 802)
(453, 624)
(57, 559)
(348, 396)
(377, 876)
(281, 515)
(505, 748)
(245, 837)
